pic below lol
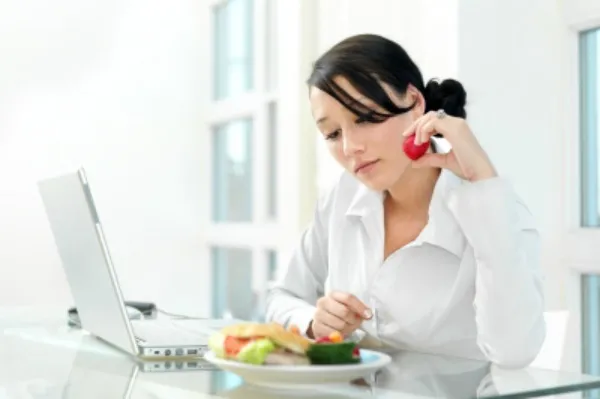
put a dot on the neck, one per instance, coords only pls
(414, 190)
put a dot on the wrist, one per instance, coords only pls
(484, 172)
(483, 176)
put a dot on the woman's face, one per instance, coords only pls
(370, 151)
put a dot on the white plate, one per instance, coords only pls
(303, 376)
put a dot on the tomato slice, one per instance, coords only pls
(234, 345)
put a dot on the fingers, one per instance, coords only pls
(422, 128)
(353, 303)
(325, 323)
(339, 311)
(432, 161)
(342, 311)
(411, 129)
(427, 125)
(425, 130)
(323, 330)
(330, 320)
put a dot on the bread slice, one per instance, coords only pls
(276, 332)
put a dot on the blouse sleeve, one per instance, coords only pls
(292, 300)
(509, 302)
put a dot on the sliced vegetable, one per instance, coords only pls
(216, 344)
(294, 329)
(256, 352)
(322, 340)
(332, 353)
(234, 345)
(336, 337)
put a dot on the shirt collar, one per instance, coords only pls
(442, 229)
(365, 202)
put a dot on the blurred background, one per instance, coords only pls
(191, 118)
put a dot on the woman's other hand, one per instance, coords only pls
(467, 159)
(338, 311)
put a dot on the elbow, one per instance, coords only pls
(519, 351)
(513, 359)
(283, 308)
(278, 304)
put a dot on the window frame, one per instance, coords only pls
(581, 252)
(294, 195)
(257, 235)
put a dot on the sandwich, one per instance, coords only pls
(261, 344)
(272, 344)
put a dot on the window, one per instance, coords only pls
(232, 179)
(244, 235)
(272, 270)
(590, 289)
(233, 50)
(232, 274)
(589, 50)
(258, 147)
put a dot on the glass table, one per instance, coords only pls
(41, 357)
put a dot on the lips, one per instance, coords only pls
(364, 165)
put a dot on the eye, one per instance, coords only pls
(365, 118)
(361, 120)
(333, 135)
(372, 117)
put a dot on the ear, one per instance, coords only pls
(413, 95)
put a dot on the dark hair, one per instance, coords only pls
(366, 59)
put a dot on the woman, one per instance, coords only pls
(436, 255)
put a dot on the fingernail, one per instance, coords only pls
(367, 314)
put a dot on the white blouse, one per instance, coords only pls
(468, 286)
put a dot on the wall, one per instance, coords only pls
(119, 87)
(526, 112)
(511, 58)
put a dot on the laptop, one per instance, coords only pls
(94, 284)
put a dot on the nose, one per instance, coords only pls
(352, 142)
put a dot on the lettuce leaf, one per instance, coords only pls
(256, 352)
(216, 343)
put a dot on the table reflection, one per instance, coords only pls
(436, 376)
(88, 369)
(409, 375)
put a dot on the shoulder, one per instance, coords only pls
(492, 195)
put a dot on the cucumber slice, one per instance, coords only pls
(332, 353)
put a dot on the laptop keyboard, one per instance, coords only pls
(167, 333)
(176, 331)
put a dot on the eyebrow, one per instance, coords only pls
(321, 120)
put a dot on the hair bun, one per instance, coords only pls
(449, 95)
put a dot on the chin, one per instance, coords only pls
(376, 183)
